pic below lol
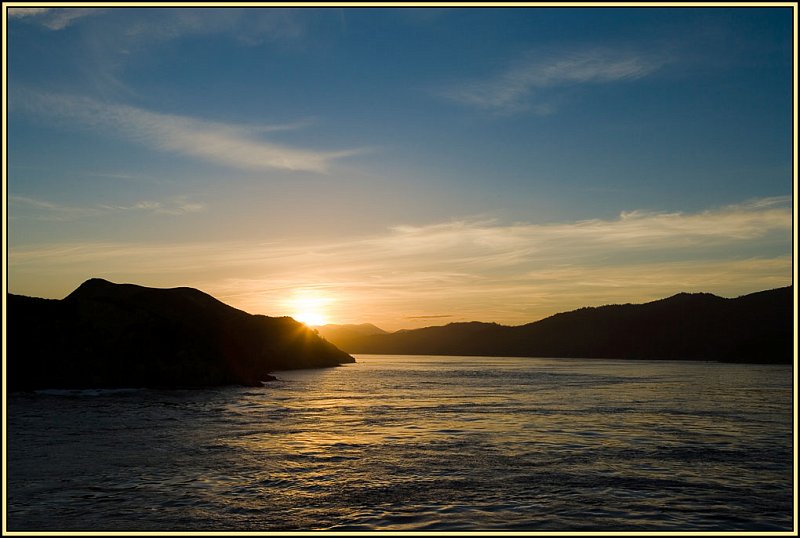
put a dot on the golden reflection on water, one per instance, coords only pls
(429, 443)
(558, 415)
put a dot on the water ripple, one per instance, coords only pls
(415, 443)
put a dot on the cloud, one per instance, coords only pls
(32, 208)
(520, 87)
(481, 269)
(237, 146)
(635, 232)
(249, 26)
(176, 206)
(53, 18)
(20, 12)
(25, 207)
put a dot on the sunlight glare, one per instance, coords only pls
(309, 308)
(312, 319)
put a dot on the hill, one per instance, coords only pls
(347, 335)
(123, 335)
(755, 328)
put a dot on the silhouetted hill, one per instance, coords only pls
(122, 335)
(347, 334)
(361, 328)
(753, 328)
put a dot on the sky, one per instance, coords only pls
(401, 166)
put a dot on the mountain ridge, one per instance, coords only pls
(756, 327)
(125, 335)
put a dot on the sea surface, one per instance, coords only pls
(401, 443)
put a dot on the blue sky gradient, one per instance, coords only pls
(494, 164)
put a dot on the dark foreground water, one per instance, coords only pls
(416, 443)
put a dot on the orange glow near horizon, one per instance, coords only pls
(312, 319)
(308, 307)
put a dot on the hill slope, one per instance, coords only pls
(345, 335)
(122, 335)
(753, 328)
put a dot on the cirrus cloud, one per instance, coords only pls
(237, 146)
(37, 209)
(520, 86)
(52, 18)
(483, 270)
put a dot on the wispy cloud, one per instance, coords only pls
(101, 58)
(53, 18)
(25, 207)
(249, 26)
(33, 208)
(521, 86)
(175, 206)
(237, 146)
(21, 12)
(480, 269)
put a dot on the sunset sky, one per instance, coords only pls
(404, 167)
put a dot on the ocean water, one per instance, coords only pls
(401, 443)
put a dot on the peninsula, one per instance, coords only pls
(123, 335)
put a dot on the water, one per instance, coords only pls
(416, 443)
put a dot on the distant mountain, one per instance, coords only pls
(345, 335)
(755, 328)
(363, 328)
(123, 335)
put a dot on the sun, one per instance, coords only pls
(309, 308)
(310, 318)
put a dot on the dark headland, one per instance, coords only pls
(123, 335)
(754, 328)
